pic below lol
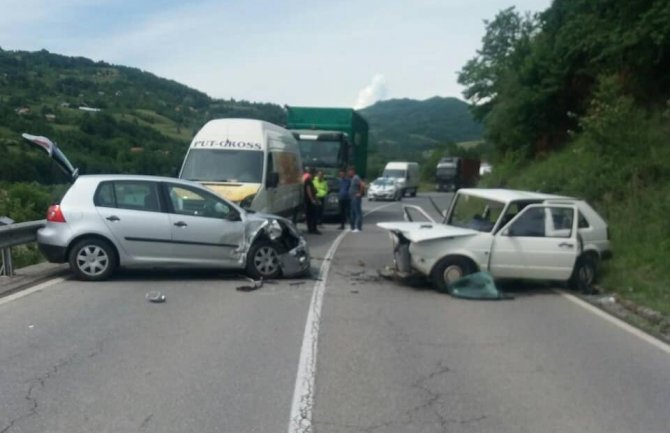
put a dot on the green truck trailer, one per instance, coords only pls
(330, 139)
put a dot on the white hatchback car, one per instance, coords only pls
(511, 234)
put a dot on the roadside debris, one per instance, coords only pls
(255, 285)
(296, 283)
(155, 296)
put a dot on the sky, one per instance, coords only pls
(345, 53)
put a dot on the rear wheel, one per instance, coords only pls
(414, 192)
(263, 260)
(448, 270)
(584, 274)
(92, 259)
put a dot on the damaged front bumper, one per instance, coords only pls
(296, 261)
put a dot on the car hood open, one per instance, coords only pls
(426, 231)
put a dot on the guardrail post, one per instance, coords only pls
(7, 267)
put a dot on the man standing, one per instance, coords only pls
(311, 203)
(343, 198)
(321, 187)
(356, 196)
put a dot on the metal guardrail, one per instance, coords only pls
(13, 235)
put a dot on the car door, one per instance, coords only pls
(132, 211)
(205, 229)
(539, 243)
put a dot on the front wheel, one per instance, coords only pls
(263, 260)
(448, 270)
(92, 259)
(584, 274)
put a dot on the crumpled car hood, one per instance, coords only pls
(426, 231)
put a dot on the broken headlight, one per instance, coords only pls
(274, 230)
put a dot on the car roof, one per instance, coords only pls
(103, 177)
(509, 195)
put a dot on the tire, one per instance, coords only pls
(263, 260)
(448, 270)
(414, 192)
(92, 259)
(584, 275)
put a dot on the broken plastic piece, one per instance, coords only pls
(255, 285)
(155, 296)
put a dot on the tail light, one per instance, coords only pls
(55, 214)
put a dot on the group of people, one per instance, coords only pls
(351, 190)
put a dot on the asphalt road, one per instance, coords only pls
(97, 357)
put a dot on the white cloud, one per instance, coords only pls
(373, 92)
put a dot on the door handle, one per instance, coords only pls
(113, 218)
(180, 224)
(566, 244)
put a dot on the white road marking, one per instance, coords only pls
(303, 394)
(616, 321)
(37, 288)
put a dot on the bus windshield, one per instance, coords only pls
(223, 165)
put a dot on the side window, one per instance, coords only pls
(529, 224)
(128, 195)
(560, 223)
(583, 223)
(187, 201)
(136, 195)
(104, 196)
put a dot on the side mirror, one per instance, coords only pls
(272, 180)
(233, 215)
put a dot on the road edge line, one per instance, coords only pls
(659, 344)
(18, 295)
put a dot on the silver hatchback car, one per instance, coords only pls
(107, 221)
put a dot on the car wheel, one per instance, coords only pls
(92, 259)
(584, 274)
(448, 270)
(414, 192)
(399, 197)
(263, 260)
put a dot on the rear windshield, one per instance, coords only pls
(223, 165)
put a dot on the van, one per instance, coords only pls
(253, 163)
(407, 175)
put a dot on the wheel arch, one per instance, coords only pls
(458, 256)
(98, 236)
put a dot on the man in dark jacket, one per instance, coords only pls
(343, 198)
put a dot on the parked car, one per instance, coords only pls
(511, 234)
(384, 188)
(109, 221)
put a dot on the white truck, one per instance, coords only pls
(406, 174)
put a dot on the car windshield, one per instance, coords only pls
(318, 153)
(223, 165)
(475, 213)
(383, 181)
(390, 172)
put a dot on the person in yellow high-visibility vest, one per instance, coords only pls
(321, 192)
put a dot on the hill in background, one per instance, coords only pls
(144, 124)
(115, 119)
(407, 125)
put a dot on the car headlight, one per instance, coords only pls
(246, 202)
(274, 230)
